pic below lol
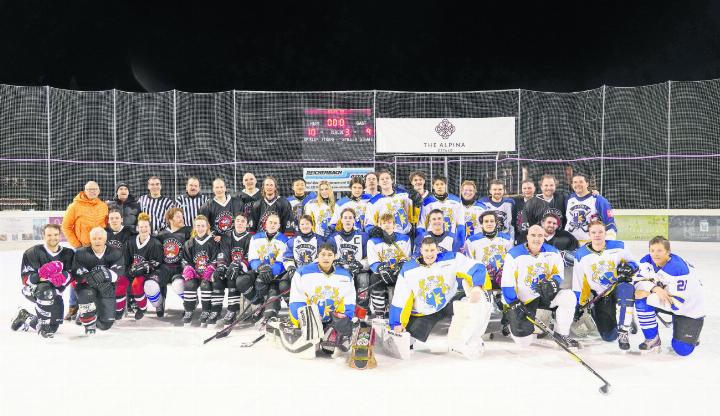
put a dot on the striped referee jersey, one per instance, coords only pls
(190, 206)
(156, 209)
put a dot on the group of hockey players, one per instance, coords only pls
(384, 261)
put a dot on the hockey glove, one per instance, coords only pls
(189, 273)
(579, 311)
(547, 289)
(265, 274)
(220, 272)
(98, 276)
(49, 269)
(354, 267)
(208, 272)
(386, 274)
(57, 279)
(290, 272)
(375, 232)
(626, 271)
(140, 269)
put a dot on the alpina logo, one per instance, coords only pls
(445, 129)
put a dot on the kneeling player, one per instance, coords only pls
(351, 244)
(45, 273)
(386, 256)
(328, 291)
(605, 267)
(669, 283)
(428, 290)
(96, 269)
(201, 256)
(531, 279)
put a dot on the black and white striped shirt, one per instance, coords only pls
(190, 206)
(156, 208)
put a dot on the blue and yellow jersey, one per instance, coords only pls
(264, 250)
(333, 292)
(596, 271)
(453, 215)
(489, 251)
(680, 280)
(378, 251)
(398, 204)
(523, 272)
(423, 290)
(358, 205)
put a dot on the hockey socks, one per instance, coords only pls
(647, 318)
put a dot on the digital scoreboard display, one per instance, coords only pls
(338, 133)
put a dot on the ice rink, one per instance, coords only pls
(156, 367)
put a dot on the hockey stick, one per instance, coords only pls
(605, 388)
(253, 342)
(225, 331)
(665, 323)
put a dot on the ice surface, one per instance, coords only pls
(154, 367)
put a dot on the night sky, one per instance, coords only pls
(343, 45)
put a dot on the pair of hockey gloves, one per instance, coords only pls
(53, 273)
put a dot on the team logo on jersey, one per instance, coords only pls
(171, 250)
(237, 255)
(305, 256)
(538, 272)
(115, 243)
(327, 298)
(391, 255)
(224, 220)
(201, 261)
(137, 259)
(501, 218)
(603, 272)
(580, 217)
(324, 216)
(395, 206)
(268, 254)
(433, 290)
(471, 224)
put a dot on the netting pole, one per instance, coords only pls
(175, 140)
(374, 117)
(446, 167)
(668, 144)
(431, 168)
(517, 147)
(460, 175)
(602, 141)
(234, 143)
(47, 108)
(497, 161)
(395, 171)
(115, 138)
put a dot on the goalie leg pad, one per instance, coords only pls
(302, 341)
(468, 326)
(565, 302)
(397, 344)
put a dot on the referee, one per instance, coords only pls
(191, 201)
(155, 205)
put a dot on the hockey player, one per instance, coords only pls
(267, 249)
(437, 230)
(323, 289)
(143, 254)
(669, 283)
(504, 207)
(271, 202)
(250, 192)
(449, 205)
(562, 240)
(320, 210)
(201, 257)
(96, 269)
(117, 233)
(527, 193)
(371, 184)
(472, 208)
(303, 248)
(298, 200)
(221, 210)
(582, 207)
(350, 246)
(172, 240)
(236, 243)
(45, 273)
(531, 279)
(606, 266)
(489, 247)
(388, 201)
(386, 255)
(428, 290)
(357, 201)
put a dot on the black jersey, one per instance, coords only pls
(151, 251)
(37, 256)
(172, 243)
(202, 252)
(85, 260)
(263, 208)
(248, 200)
(221, 216)
(119, 238)
(236, 246)
(536, 208)
(563, 241)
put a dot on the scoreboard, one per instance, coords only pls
(328, 125)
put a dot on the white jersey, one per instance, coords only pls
(379, 251)
(423, 290)
(350, 246)
(359, 206)
(270, 251)
(580, 211)
(680, 281)
(488, 251)
(596, 271)
(321, 214)
(523, 272)
(504, 214)
(471, 216)
(334, 292)
(452, 210)
(398, 204)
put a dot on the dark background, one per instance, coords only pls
(305, 45)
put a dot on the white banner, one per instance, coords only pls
(445, 135)
(339, 178)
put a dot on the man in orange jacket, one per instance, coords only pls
(82, 215)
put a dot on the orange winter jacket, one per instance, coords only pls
(81, 216)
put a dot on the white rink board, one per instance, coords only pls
(152, 367)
